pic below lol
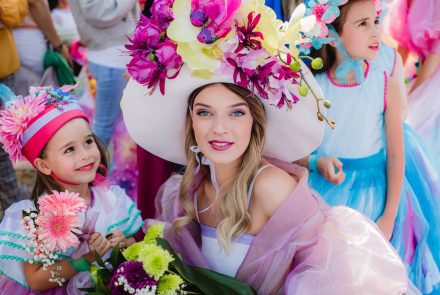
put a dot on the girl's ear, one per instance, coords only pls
(332, 44)
(42, 166)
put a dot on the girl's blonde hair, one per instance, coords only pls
(233, 204)
(328, 52)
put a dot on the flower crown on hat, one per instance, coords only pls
(22, 112)
(324, 13)
(239, 39)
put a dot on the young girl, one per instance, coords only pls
(361, 163)
(417, 31)
(234, 211)
(50, 130)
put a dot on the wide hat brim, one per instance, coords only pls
(156, 122)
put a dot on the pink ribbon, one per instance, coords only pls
(102, 180)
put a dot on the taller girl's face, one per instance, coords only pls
(361, 32)
(72, 154)
(222, 124)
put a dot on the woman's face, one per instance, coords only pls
(361, 32)
(222, 124)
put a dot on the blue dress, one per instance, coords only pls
(359, 142)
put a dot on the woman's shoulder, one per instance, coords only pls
(272, 186)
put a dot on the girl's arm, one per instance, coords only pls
(399, 78)
(428, 67)
(38, 278)
(395, 158)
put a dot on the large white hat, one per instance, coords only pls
(156, 119)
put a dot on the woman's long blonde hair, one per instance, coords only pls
(233, 204)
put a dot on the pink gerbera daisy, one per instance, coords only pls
(64, 201)
(58, 220)
(58, 229)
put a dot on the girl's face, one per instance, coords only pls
(361, 32)
(72, 154)
(222, 124)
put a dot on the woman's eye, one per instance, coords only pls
(238, 113)
(202, 113)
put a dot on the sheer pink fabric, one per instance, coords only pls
(305, 248)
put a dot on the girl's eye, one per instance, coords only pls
(377, 21)
(363, 24)
(202, 113)
(69, 150)
(238, 113)
(90, 141)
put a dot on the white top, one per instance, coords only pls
(359, 114)
(113, 57)
(219, 260)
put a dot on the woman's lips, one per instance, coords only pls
(86, 168)
(218, 145)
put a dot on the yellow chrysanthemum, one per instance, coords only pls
(132, 252)
(155, 260)
(154, 231)
(169, 284)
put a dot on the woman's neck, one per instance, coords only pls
(224, 173)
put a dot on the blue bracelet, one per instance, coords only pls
(313, 162)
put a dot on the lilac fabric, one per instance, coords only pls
(305, 247)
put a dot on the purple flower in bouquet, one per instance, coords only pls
(162, 12)
(130, 275)
(146, 37)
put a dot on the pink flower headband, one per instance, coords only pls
(28, 123)
(240, 39)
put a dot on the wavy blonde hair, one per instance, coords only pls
(233, 204)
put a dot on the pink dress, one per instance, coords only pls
(305, 247)
(416, 26)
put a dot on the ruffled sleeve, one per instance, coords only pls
(125, 216)
(13, 242)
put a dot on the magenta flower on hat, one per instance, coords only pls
(161, 12)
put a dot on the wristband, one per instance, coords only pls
(313, 162)
(80, 264)
(59, 47)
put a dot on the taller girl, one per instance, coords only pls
(361, 162)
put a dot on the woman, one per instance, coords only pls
(234, 211)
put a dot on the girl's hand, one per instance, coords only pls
(99, 244)
(331, 170)
(386, 225)
(117, 238)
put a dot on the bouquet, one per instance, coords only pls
(53, 228)
(152, 267)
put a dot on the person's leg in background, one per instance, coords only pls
(110, 83)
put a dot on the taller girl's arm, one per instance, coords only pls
(395, 158)
(398, 77)
(427, 69)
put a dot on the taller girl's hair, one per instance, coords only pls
(45, 183)
(328, 52)
(233, 204)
